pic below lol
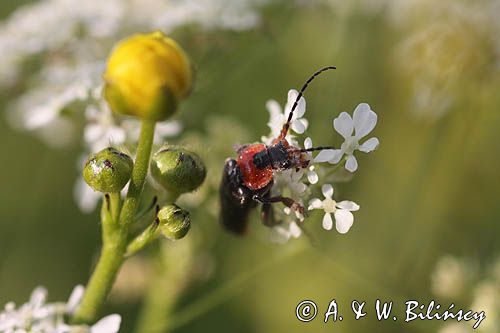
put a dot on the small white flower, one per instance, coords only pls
(353, 130)
(324, 155)
(108, 324)
(86, 198)
(284, 231)
(291, 180)
(74, 299)
(102, 130)
(450, 276)
(163, 130)
(341, 210)
(42, 317)
(278, 117)
(312, 176)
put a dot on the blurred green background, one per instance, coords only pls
(431, 189)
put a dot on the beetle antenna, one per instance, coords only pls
(286, 127)
(304, 150)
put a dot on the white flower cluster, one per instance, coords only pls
(458, 278)
(38, 316)
(52, 26)
(69, 40)
(291, 183)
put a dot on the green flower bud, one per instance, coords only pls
(178, 170)
(108, 171)
(174, 221)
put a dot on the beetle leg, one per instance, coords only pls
(289, 202)
(267, 213)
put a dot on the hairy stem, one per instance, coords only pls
(114, 234)
(103, 277)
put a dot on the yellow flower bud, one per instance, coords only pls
(147, 76)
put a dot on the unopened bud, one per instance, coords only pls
(108, 171)
(174, 221)
(178, 170)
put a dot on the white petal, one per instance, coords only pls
(40, 116)
(116, 135)
(298, 188)
(315, 204)
(343, 220)
(308, 143)
(295, 230)
(299, 216)
(343, 125)
(348, 205)
(75, 298)
(85, 197)
(312, 177)
(168, 128)
(364, 120)
(276, 120)
(351, 164)
(304, 122)
(337, 155)
(298, 126)
(274, 108)
(92, 132)
(327, 222)
(108, 324)
(327, 190)
(279, 234)
(38, 297)
(296, 175)
(325, 155)
(301, 105)
(369, 145)
(291, 96)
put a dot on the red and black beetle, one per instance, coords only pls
(248, 180)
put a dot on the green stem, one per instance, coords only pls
(114, 234)
(138, 173)
(115, 203)
(143, 239)
(103, 277)
(151, 231)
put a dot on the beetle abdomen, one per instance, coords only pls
(235, 202)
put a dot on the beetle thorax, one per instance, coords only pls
(258, 161)
(254, 166)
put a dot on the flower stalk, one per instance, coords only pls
(115, 235)
(138, 173)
